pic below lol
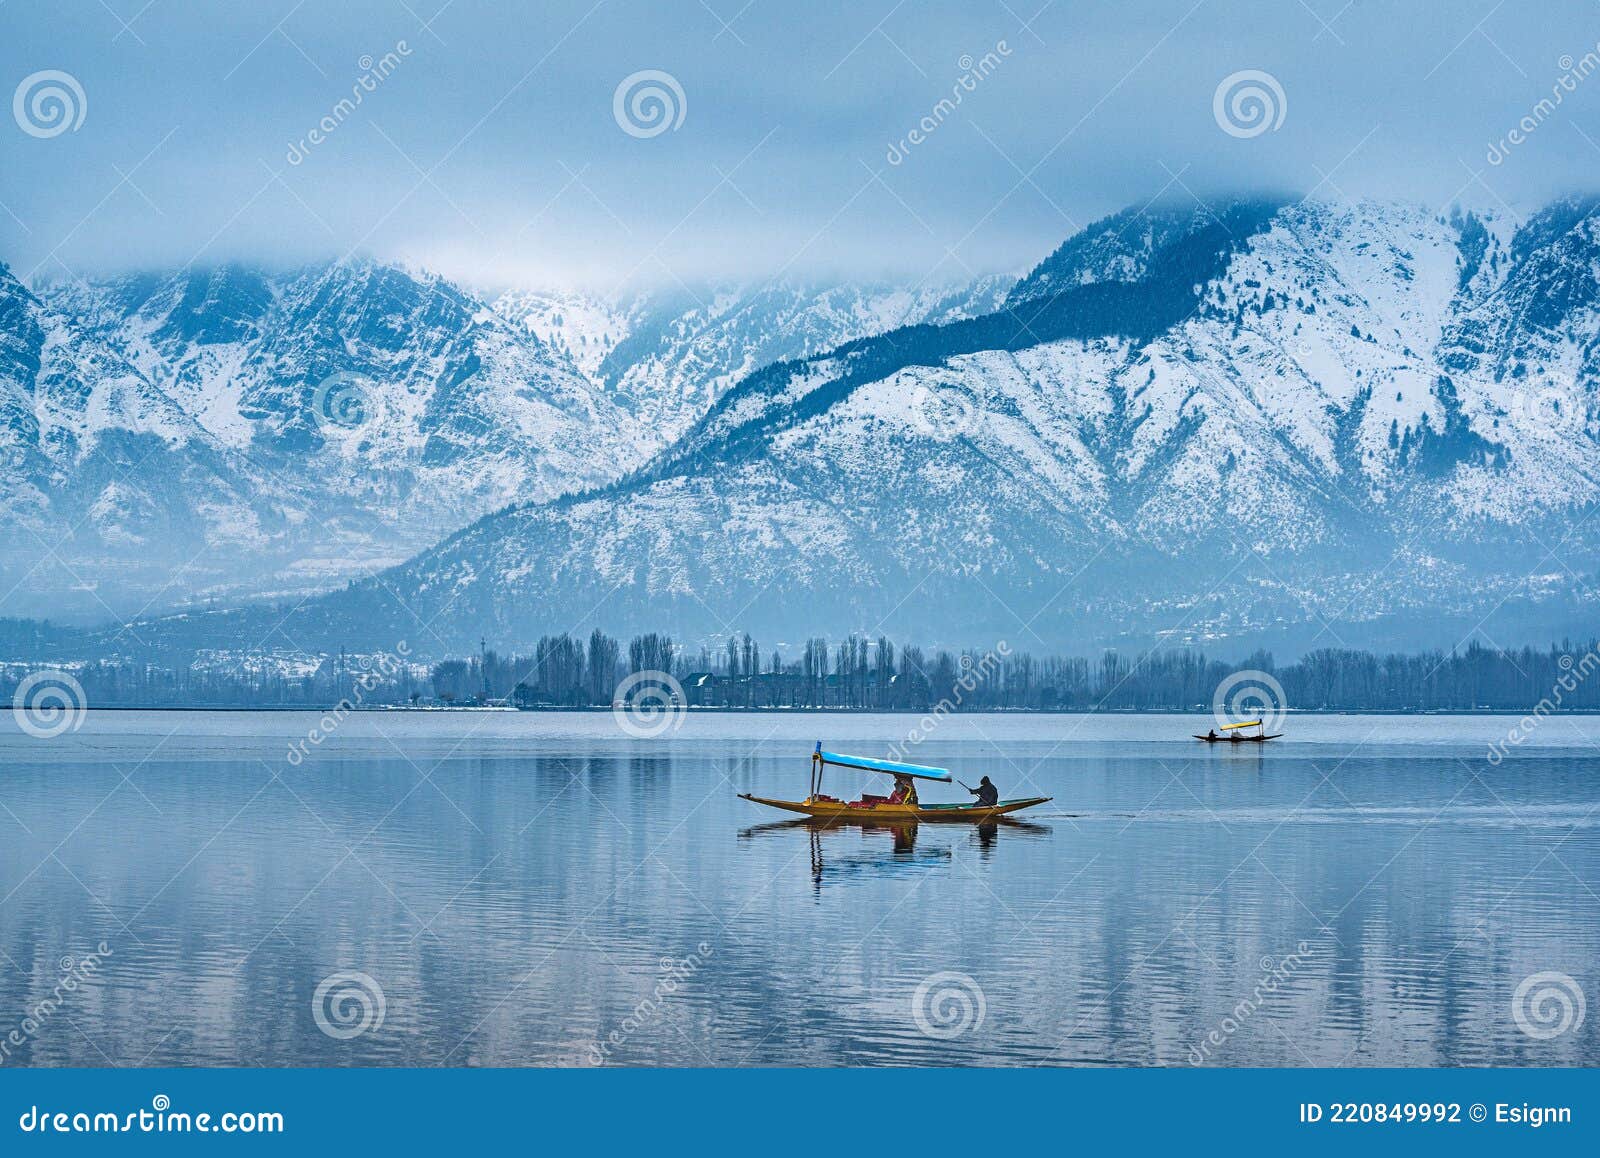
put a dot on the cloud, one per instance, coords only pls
(492, 151)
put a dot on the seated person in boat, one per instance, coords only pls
(904, 792)
(988, 795)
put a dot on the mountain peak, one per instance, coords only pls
(1123, 246)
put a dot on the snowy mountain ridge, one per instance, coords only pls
(668, 357)
(236, 431)
(1202, 422)
(1249, 417)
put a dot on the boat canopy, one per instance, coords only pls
(868, 764)
(1245, 724)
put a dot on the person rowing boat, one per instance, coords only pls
(988, 795)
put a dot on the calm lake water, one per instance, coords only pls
(537, 889)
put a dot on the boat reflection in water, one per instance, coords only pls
(891, 848)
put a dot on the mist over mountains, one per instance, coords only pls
(1251, 420)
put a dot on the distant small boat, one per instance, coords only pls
(880, 810)
(1260, 737)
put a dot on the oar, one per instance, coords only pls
(964, 786)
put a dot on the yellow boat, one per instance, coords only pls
(879, 810)
(1237, 737)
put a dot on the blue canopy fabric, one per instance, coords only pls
(871, 765)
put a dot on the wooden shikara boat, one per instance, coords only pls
(878, 810)
(889, 813)
(1235, 737)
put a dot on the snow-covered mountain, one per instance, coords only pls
(1360, 422)
(234, 431)
(667, 357)
(102, 466)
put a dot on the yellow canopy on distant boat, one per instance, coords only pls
(1246, 724)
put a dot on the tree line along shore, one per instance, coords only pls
(855, 673)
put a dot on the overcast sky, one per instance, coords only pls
(492, 149)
